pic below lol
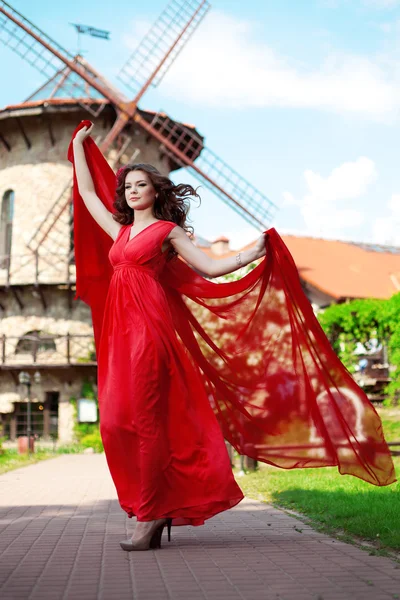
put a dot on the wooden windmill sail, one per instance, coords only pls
(146, 67)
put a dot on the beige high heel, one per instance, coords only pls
(151, 540)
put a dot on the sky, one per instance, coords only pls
(301, 97)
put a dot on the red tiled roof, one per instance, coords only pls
(54, 102)
(343, 269)
(73, 101)
(209, 252)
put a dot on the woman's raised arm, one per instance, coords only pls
(99, 212)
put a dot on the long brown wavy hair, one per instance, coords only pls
(171, 204)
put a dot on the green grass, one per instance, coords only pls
(333, 502)
(336, 502)
(10, 459)
(391, 423)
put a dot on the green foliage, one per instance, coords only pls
(238, 274)
(83, 429)
(10, 459)
(391, 423)
(361, 321)
(355, 321)
(75, 448)
(2, 440)
(87, 390)
(92, 440)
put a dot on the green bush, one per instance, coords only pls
(362, 321)
(92, 440)
(82, 430)
(87, 390)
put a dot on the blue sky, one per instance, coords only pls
(301, 97)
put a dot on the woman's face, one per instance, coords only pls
(139, 191)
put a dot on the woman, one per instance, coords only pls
(251, 351)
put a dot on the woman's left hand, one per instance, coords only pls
(260, 246)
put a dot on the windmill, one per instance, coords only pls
(145, 68)
(41, 327)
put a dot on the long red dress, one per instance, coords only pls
(175, 349)
(164, 448)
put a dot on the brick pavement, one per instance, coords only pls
(60, 525)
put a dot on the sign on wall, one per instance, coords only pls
(87, 410)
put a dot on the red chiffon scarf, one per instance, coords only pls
(280, 393)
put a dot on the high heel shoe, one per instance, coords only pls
(152, 540)
(169, 525)
(155, 541)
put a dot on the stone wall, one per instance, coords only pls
(57, 300)
(57, 320)
(36, 187)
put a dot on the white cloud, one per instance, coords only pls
(330, 222)
(394, 205)
(321, 207)
(386, 230)
(288, 199)
(225, 65)
(350, 180)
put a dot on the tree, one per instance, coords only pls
(366, 322)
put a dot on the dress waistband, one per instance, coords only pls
(150, 272)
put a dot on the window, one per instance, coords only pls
(6, 222)
(33, 342)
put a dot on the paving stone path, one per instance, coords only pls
(60, 526)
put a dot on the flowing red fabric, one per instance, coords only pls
(251, 349)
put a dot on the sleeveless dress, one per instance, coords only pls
(162, 441)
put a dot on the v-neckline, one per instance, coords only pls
(135, 236)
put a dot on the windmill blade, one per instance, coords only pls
(51, 218)
(29, 41)
(184, 147)
(162, 44)
(49, 58)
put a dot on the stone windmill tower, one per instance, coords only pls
(42, 329)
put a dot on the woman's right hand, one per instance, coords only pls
(83, 133)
